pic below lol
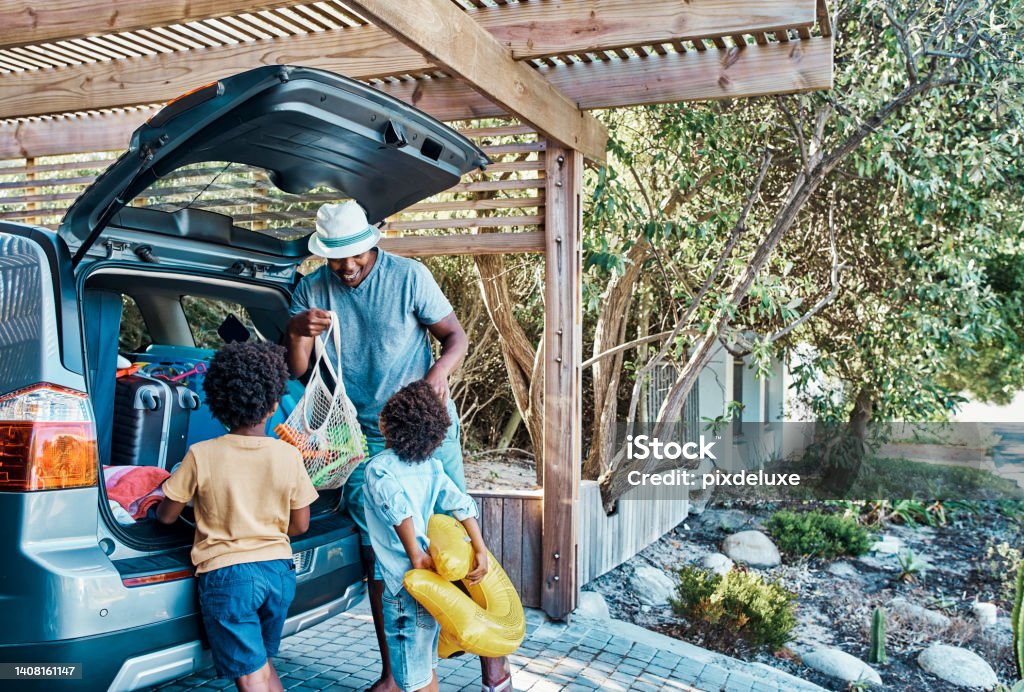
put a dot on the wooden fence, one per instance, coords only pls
(511, 525)
(510, 521)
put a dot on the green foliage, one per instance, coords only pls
(1018, 622)
(736, 607)
(876, 653)
(912, 566)
(907, 512)
(1001, 563)
(900, 478)
(815, 534)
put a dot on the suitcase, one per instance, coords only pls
(151, 419)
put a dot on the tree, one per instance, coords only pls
(892, 56)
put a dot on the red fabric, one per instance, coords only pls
(138, 489)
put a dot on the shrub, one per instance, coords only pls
(739, 607)
(815, 534)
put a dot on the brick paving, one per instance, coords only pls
(341, 654)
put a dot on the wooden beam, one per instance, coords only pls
(465, 244)
(776, 68)
(452, 40)
(69, 135)
(562, 354)
(30, 22)
(534, 29)
(529, 29)
(363, 52)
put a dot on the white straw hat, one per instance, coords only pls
(342, 231)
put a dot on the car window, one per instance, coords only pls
(134, 336)
(211, 320)
(245, 193)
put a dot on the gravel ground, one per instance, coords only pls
(836, 599)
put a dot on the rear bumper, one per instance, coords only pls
(175, 648)
(160, 666)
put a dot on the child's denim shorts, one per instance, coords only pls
(244, 607)
(411, 633)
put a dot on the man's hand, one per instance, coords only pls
(309, 323)
(437, 378)
(476, 575)
(423, 561)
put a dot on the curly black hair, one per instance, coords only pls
(244, 382)
(414, 422)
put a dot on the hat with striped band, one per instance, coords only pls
(342, 231)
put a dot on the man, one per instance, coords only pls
(387, 308)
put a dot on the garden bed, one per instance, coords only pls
(971, 552)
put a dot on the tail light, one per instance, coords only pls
(47, 439)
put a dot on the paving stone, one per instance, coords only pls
(658, 671)
(645, 687)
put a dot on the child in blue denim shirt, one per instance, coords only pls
(405, 484)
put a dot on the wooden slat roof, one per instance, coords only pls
(599, 53)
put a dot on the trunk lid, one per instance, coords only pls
(302, 129)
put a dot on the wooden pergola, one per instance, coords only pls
(78, 76)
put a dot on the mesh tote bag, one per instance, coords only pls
(323, 425)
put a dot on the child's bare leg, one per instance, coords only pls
(275, 680)
(431, 686)
(258, 681)
(375, 589)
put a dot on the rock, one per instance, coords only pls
(888, 545)
(987, 614)
(958, 666)
(730, 519)
(887, 563)
(752, 548)
(844, 569)
(915, 614)
(841, 665)
(591, 604)
(652, 586)
(717, 563)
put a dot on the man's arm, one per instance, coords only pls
(302, 329)
(454, 345)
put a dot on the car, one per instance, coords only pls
(157, 262)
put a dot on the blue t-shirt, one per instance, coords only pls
(385, 344)
(424, 489)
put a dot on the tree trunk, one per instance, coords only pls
(609, 332)
(521, 359)
(509, 431)
(845, 454)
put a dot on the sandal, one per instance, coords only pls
(503, 685)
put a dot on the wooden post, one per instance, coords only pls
(562, 351)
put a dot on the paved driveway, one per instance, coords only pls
(341, 654)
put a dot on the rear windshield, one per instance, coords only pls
(242, 192)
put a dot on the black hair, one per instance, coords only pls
(244, 382)
(414, 422)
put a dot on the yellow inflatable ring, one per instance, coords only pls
(490, 621)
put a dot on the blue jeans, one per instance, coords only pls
(411, 634)
(244, 607)
(449, 454)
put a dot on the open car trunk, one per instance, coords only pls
(148, 415)
(162, 233)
